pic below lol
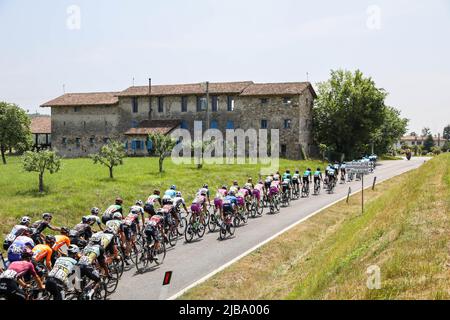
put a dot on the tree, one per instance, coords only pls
(162, 145)
(392, 129)
(110, 155)
(446, 134)
(323, 148)
(426, 132)
(14, 129)
(446, 146)
(40, 161)
(204, 146)
(348, 112)
(428, 143)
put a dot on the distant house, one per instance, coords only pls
(412, 141)
(41, 128)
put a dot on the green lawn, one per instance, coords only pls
(80, 185)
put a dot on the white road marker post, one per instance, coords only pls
(165, 285)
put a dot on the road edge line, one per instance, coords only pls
(242, 255)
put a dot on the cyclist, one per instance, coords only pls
(154, 229)
(117, 225)
(81, 231)
(235, 187)
(131, 225)
(61, 241)
(343, 171)
(12, 279)
(218, 200)
(296, 180)
(117, 207)
(172, 192)
(43, 252)
(307, 177)
(92, 253)
(199, 205)
(94, 215)
(206, 190)
(331, 174)
(229, 204)
(19, 244)
(149, 206)
(317, 176)
(277, 175)
(58, 278)
(287, 175)
(39, 226)
(16, 231)
(287, 182)
(178, 201)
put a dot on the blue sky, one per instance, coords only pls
(176, 41)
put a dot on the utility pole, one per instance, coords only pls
(207, 105)
(150, 98)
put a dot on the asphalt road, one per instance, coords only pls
(192, 262)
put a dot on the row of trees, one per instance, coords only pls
(15, 133)
(351, 117)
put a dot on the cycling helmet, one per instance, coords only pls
(224, 187)
(139, 203)
(309, 169)
(156, 192)
(73, 249)
(25, 220)
(179, 194)
(205, 186)
(84, 219)
(119, 201)
(231, 193)
(27, 253)
(50, 239)
(65, 231)
(288, 171)
(235, 183)
(296, 171)
(318, 169)
(117, 215)
(173, 187)
(47, 216)
(95, 211)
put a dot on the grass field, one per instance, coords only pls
(405, 231)
(80, 185)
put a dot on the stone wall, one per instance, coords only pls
(89, 122)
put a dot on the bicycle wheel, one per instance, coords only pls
(160, 254)
(276, 205)
(253, 210)
(201, 230)
(119, 263)
(182, 226)
(100, 293)
(189, 233)
(231, 228)
(260, 208)
(173, 236)
(222, 233)
(212, 223)
(236, 222)
(112, 281)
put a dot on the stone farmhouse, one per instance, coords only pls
(82, 122)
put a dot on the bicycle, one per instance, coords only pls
(194, 227)
(227, 226)
(285, 196)
(305, 190)
(317, 187)
(100, 292)
(274, 206)
(295, 191)
(150, 254)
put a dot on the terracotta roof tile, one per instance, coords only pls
(187, 89)
(154, 126)
(269, 89)
(41, 125)
(83, 99)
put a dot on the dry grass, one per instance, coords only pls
(405, 231)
